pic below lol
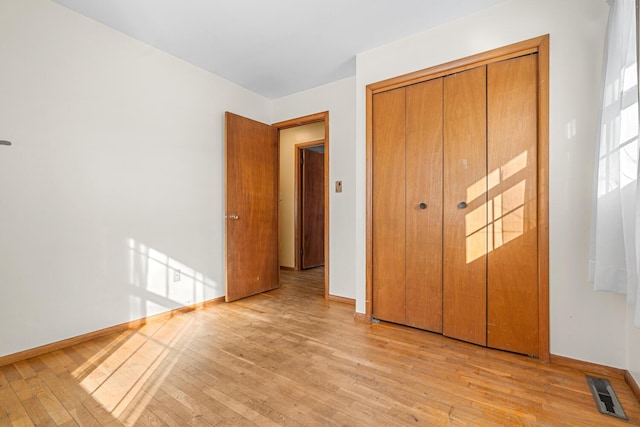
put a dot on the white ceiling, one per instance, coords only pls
(275, 47)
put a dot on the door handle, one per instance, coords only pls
(462, 205)
(233, 217)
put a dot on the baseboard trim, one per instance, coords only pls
(343, 300)
(598, 370)
(633, 385)
(588, 367)
(362, 317)
(134, 324)
(282, 267)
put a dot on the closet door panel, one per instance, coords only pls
(389, 206)
(424, 205)
(465, 206)
(512, 200)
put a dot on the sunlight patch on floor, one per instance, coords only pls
(124, 382)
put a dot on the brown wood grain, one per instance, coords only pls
(424, 185)
(633, 384)
(389, 206)
(587, 367)
(543, 199)
(539, 45)
(502, 53)
(228, 365)
(326, 205)
(312, 202)
(134, 324)
(251, 174)
(512, 279)
(343, 300)
(368, 302)
(465, 233)
(305, 120)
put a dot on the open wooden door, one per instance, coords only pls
(312, 209)
(251, 175)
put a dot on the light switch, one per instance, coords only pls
(338, 186)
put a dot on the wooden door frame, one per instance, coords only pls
(306, 120)
(297, 198)
(539, 45)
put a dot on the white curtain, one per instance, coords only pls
(615, 233)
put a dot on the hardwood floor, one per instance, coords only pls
(288, 357)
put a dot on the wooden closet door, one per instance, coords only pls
(465, 206)
(389, 206)
(512, 164)
(424, 222)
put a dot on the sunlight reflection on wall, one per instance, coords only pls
(501, 219)
(160, 282)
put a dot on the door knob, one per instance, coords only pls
(232, 216)
(462, 205)
(422, 205)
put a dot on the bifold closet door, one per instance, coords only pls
(424, 205)
(512, 275)
(389, 206)
(465, 206)
(407, 206)
(454, 181)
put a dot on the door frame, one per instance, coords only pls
(306, 120)
(539, 45)
(297, 197)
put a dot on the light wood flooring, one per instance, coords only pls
(288, 357)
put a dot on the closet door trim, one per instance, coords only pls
(539, 45)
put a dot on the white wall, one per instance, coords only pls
(585, 325)
(288, 139)
(338, 99)
(115, 176)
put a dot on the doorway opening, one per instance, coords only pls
(304, 138)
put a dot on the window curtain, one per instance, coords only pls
(615, 233)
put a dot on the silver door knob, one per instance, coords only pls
(232, 216)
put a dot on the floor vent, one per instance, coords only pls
(606, 400)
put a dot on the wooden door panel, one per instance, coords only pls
(389, 206)
(512, 164)
(465, 233)
(312, 209)
(424, 224)
(251, 168)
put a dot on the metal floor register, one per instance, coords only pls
(605, 398)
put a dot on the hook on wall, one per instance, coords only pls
(2, 142)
